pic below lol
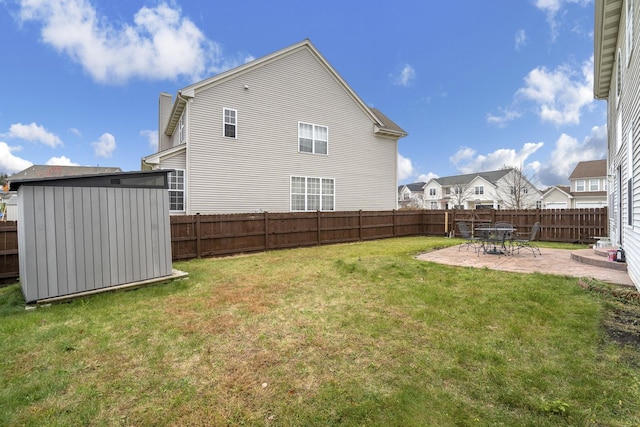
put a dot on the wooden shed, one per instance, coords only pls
(90, 232)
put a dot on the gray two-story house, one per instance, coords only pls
(281, 133)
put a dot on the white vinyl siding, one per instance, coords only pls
(629, 30)
(313, 138)
(312, 194)
(230, 118)
(260, 167)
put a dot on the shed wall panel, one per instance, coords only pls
(75, 239)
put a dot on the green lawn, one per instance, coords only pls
(355, 334)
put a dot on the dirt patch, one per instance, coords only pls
(622, 321)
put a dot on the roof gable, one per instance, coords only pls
(383, 126)
(589, 169)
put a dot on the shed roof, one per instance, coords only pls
(144, 179)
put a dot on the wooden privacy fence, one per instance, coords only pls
(9, 267)
(215, 235)
(194, 236)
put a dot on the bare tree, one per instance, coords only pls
(518, 191)
(460, 193)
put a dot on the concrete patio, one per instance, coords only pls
(577, 263)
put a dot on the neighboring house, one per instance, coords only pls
(411, 195)
(281, 133)
(587, 189)
(501, 189)
(47, 171)
(617, 80)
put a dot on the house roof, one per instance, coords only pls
(589, 169)
(47, 171)
(135, 179)
(606, 27)
(414, 186)
(383, 126)
(491, 176)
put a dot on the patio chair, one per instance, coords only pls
(527, 243)
(467, 234)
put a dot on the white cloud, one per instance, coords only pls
(33, 133)
(406, 77)
(104, 146)
(468, 161)
(552, 8)
(521, 39)
(425, 177)
(61, 161)
(569, 151)
(405, 168)
(9, 163)
(75, 131)
(146, 48)
(559, 96)
(504, 117)
(152, 138)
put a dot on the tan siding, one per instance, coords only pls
(252, 172)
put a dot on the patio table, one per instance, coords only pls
(494, 238)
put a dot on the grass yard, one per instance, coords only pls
(355, 334)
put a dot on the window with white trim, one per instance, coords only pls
(230, 118)
(580, 185)
(434, 205)
(176, 191)
(479, 189)
(181, 131)
(313, 138)
(432, 191)
(629, 31)
(594, 185)
(312, 194)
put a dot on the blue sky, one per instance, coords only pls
(478, 85)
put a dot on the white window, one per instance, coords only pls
(479, 189)
(432, 191)
(312, 194)
(538, 204)
(594, 185)
(313, 138)
(176, 191)
(629, 30)
(230, 122)
(181, 131)
(580, 185)
(434, 205)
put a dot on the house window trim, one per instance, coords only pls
(313, 139)
(224, 123)
(594, 185)
(581, 188)
(307, 194)
(478, 190)
(433, 192)
(182, 132)
(183, 190)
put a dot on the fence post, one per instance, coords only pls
(318, 220)
(266, 231)
(395, 233)
(360, 225)
(198, 241)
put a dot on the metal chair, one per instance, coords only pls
(527, 243)
(506, 236)
(467, 234)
